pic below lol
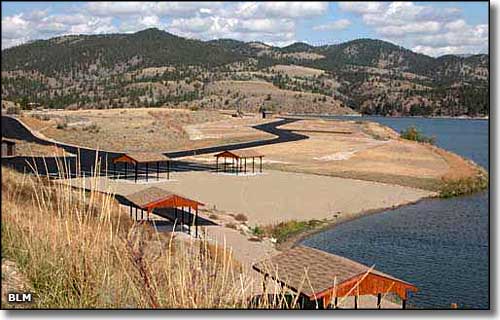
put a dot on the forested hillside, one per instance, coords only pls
(156, 68)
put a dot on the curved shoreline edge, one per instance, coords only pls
(330, 224)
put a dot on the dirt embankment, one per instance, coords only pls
(148, 130)
(365, 151)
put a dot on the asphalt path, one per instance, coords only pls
(87, 158)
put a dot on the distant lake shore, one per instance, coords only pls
(381, 116)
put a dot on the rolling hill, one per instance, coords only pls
(367, 75)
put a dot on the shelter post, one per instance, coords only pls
(196, 221)
(136, 164)
(182, 218)
(190, 219)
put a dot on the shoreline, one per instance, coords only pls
(330, 224)
(329, 115)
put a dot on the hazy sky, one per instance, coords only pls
(433, 28)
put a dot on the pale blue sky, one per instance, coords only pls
(433, 28)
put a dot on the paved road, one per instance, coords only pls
(14, 129)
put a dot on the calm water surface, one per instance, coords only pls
(439, 245)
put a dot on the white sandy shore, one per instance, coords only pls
(277, 196)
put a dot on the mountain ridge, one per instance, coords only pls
(359, 68)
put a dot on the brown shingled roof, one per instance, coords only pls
(246, 153)
(323, 270)
(143, 157)
(149, 196)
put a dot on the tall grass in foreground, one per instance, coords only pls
(78, 249)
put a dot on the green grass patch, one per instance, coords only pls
(284, 230)
(464, 186)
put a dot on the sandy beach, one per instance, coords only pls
(276, 196)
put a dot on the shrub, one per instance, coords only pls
(62, 125)
(258, 231)
(241, 217)
(412, 133)
(213, 216)
(13, 110)
(463, 186)
(231, 225)
(94, 128)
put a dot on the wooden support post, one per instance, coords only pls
(379, 301)
(147, 171)
(130, 211)
(142, 214)
(136, 164)
(245, 165)
(260, 164)
(157, 170)
(216, 164)
(403, 304)
(355, 302)
(183, 222)
(336, 303)
(196, 222)
(224, 167)
(190, 220)
(168, 170)
(253, 164)
(321, 303)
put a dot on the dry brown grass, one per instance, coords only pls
(78, 249)
(369, 152)
(157, 129)
(30, 149)
(296, 71)
(254, 94)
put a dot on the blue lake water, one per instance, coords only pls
(440, 245)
